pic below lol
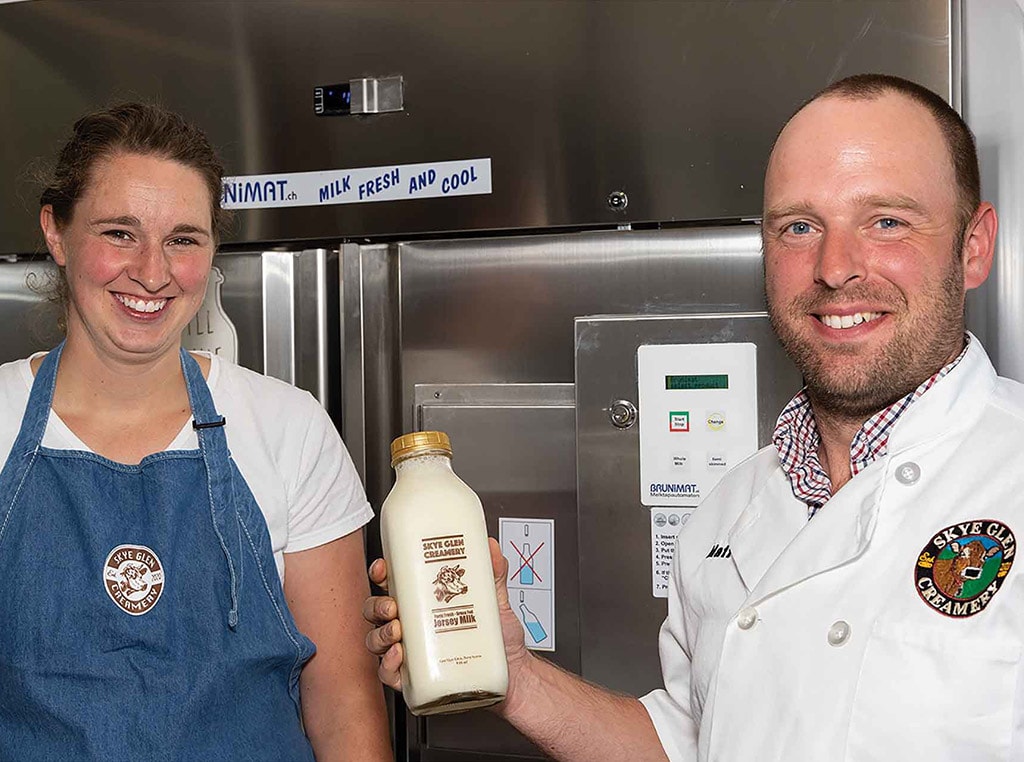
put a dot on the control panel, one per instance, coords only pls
(698, 417)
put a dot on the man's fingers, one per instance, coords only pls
(379, 609)
(380, 639)
(500, 566)
(389, 671)
(378, 573)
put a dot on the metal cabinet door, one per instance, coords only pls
(619, 617)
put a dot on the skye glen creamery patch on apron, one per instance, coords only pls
(134, 578)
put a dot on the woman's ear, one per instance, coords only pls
(52, 234)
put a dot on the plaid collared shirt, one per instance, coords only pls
(797, 439)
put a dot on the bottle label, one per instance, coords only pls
(448, 584)
(453, 618)
(449, 547)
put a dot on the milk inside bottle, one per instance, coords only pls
(439, 570)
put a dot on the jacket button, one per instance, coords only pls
(746, 619)
(838, 633)
(908, 473)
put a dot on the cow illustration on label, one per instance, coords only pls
(133, 579)
(448, 583)
(960, 564)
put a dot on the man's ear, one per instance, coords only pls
(52, 234)
(979, 245)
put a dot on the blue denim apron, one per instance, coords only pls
(141, 614)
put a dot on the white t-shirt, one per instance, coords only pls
(282, 440)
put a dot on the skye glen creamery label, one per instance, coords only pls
(448, 584)
(451, 547)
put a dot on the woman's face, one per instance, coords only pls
(137, 253)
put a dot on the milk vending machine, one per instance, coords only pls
(533, 225)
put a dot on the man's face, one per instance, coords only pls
(864, 286)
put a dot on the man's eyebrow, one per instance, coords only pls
(896, 201)
(790, 210)
(869, 200)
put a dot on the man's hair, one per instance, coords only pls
(962, 149)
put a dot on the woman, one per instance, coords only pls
(152, 500)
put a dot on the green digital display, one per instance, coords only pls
(714, 381)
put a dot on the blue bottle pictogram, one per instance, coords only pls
(526, 573)
(533, 625)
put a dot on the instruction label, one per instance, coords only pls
(529, 546)
(665, 526)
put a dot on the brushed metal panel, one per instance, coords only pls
(368, 341)
(674, 103)
(240, 297)
(495, 395)
(993, 67)
(501, 309)
(311, 322)
(619, 618)
(372, 416)
(515, 445)
(279, 315)
(300, 321)
(352, 352)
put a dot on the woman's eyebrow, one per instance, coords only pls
(127, 220)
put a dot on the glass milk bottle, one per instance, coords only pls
(439, 570)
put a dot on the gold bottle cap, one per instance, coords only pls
(418, 443)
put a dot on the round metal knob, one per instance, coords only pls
(622, 414)
(617, 201)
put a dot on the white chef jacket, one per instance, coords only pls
(809, 640)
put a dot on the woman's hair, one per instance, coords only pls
(128, 128)
(131, 128)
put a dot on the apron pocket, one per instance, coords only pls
(924, 694)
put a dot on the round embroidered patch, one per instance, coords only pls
(134, 578)
(964, 565)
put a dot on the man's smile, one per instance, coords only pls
(848, 321)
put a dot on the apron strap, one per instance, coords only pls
(30, 435)
(213, 444)
(37, 413)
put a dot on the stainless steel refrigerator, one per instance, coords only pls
(626, 143)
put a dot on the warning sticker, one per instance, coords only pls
(529, 546)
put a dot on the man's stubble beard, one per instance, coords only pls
(918, 350)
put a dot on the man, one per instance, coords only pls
(868, 609)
